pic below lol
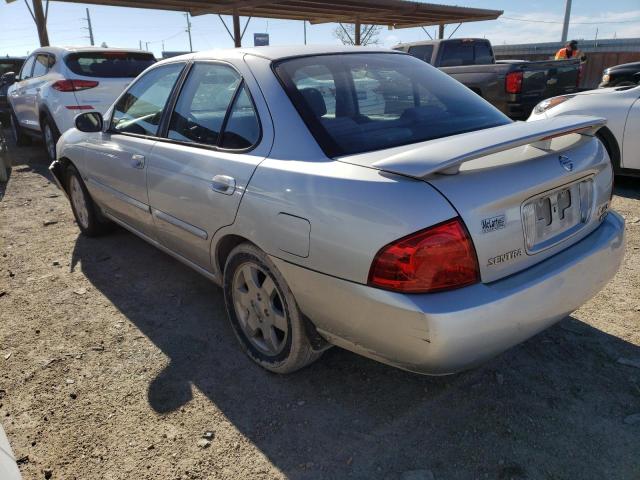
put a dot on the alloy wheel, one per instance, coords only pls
(259, 308)
(79, 202)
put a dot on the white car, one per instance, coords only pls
(57, 83)
(8, 468)
(620, 106)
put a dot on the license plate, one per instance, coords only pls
(553, 216)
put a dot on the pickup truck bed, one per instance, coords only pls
(513, 86)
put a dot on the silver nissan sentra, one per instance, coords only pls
(353, 197)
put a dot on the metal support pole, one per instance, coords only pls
(41, 23)
(237, 36)
(567, 16)
(304, 22)
(441, 31)
(357, 32)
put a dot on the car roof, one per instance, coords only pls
(277, 52)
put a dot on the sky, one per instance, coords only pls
(522, 22)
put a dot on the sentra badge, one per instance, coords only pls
(505, 257)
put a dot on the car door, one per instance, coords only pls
(32, 87)
(17, 90)
(116, 159)
(631, 140)
(197, 175)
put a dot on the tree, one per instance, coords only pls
(346, 33)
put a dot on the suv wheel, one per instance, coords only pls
(263, 312)
(49, 138)
(19, 136)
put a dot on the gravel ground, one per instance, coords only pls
(116, 362)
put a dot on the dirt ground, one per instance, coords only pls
(116, 362)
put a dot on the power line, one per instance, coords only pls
(572, 23)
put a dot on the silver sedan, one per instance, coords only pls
(353, 197)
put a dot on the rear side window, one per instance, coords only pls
(202, 105)
(381, 100)
(214, 108)
(42, 65)
(242, 129)
(423, 52)
(140, 109)
(109, 64)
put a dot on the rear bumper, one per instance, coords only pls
(446, 332)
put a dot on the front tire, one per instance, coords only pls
(263, 312)
(84, 210)
(21, 138)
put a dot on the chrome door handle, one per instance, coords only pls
(137, 161)
(223, 184)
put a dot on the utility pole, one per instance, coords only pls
(304, 22)
(88, 19)
(565, 25)
(140, 43)
(146, 45)
(188, 30)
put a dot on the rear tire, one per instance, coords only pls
(263, 312)
(84, 209)
(21, 138)
(50, 137)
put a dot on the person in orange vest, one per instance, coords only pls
(570, 50)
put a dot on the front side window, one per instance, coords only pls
(41, 66)
(203, 103)
(380, 100)
(7, 66)
(140, 109)
(26, 68)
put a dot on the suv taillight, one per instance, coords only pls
(513, 82)
(438, 258)
(74, 85)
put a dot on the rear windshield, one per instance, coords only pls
(109, 64)
(360, 102)
(456, 53)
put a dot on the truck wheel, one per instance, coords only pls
(21, 138)
(263, 312)
(84, 210)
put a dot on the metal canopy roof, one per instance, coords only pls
(393, 13)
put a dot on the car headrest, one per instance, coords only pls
(314, 99)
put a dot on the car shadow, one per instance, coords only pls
(628, 187)
(549, 408)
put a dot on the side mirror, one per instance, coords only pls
(8, 78)
(89, 122)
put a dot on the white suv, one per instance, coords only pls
(57, 83)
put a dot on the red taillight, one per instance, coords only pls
(441, 257)
(74, 85)
(513, 82)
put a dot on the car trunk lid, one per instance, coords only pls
(525, 191)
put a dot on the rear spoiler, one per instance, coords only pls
(445, 155)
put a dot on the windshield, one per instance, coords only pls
(109, 64)
(360, 102)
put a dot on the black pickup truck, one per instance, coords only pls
(513, 86)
